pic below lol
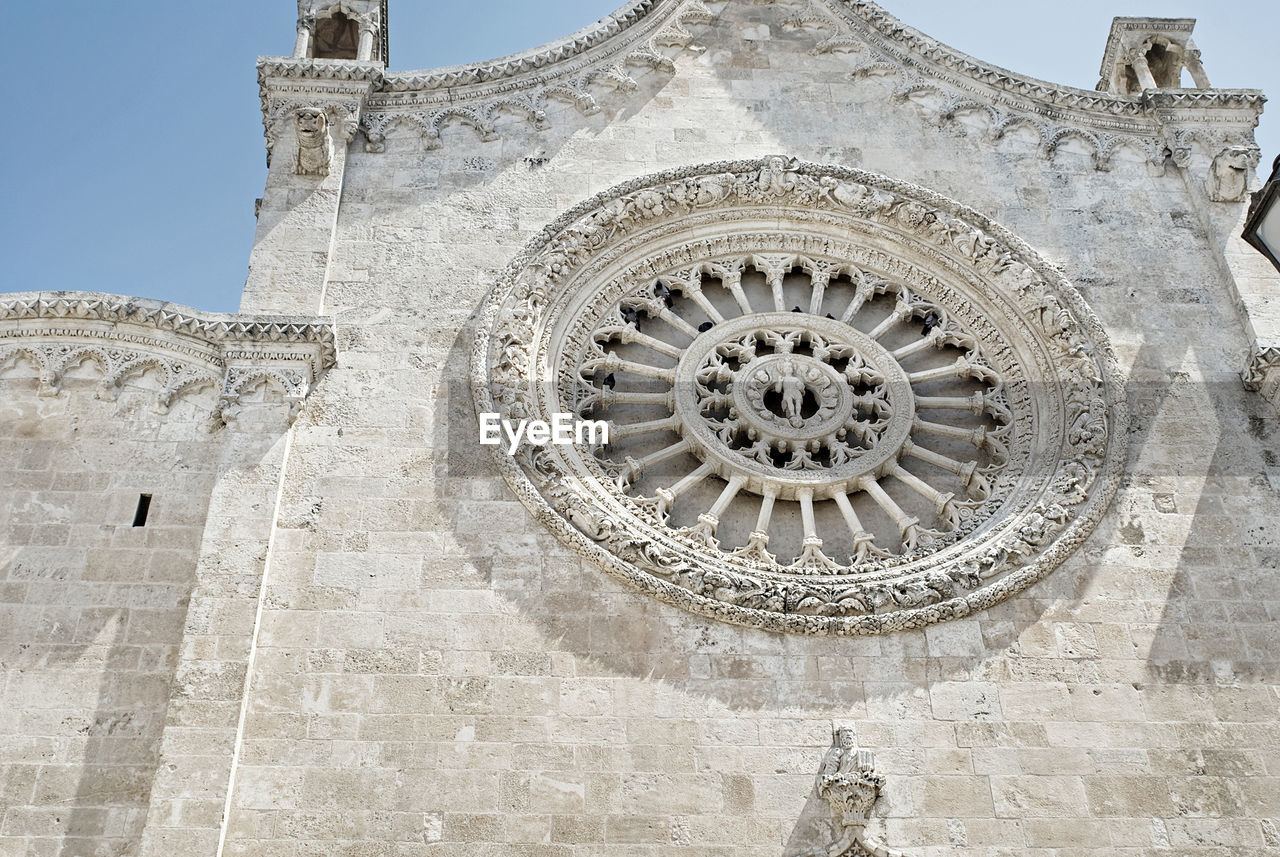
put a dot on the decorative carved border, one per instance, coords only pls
(642, 33)
(1032, 536)
(910, 46)
(960, 83)
(339, 87)
(620, 23)
(477, 94)
(571, 71)
(59, 330)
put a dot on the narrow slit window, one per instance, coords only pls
(144, 506)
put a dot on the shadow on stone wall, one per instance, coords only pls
(98, 609)
(96, 606)
(581, 609)
(1201, 521)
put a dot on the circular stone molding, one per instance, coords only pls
(838, 403)
(824, 405)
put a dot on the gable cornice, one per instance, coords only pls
(573, 70)
(1162, 123)
(191, 349)
(915, 50)
(626, 22)
(647, 33)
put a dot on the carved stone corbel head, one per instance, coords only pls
(315, 148)
(1229, 173)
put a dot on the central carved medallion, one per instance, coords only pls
(793, 401)
(838, 403)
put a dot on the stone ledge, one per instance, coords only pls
(125, 336)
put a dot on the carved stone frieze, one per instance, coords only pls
(646, 33)
(949, 84)
(840, 403)
(58, 331)
(575, 71)
(336, 87)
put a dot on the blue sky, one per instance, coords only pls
(134, 151)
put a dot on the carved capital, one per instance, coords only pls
(852, 795)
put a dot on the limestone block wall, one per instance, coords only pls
(104, 401)
(437, 675)
(349, 637)
(91, 607)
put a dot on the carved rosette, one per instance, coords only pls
(838, 403)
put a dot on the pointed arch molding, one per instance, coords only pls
(980, 323)
(646, 35)
(56, 331)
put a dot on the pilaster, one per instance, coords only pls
(198, 753)
(311, 112)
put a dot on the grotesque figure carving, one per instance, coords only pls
(1229, 175)
(315, 150)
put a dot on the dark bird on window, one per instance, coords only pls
(931, 320)
(830, 316)
(796, 309)
(610, 381)
(662, 291)
(705, 326)
(630, 316)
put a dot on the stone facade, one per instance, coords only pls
(347, 627)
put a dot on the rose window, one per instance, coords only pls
(837, 404)
(840, 440)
